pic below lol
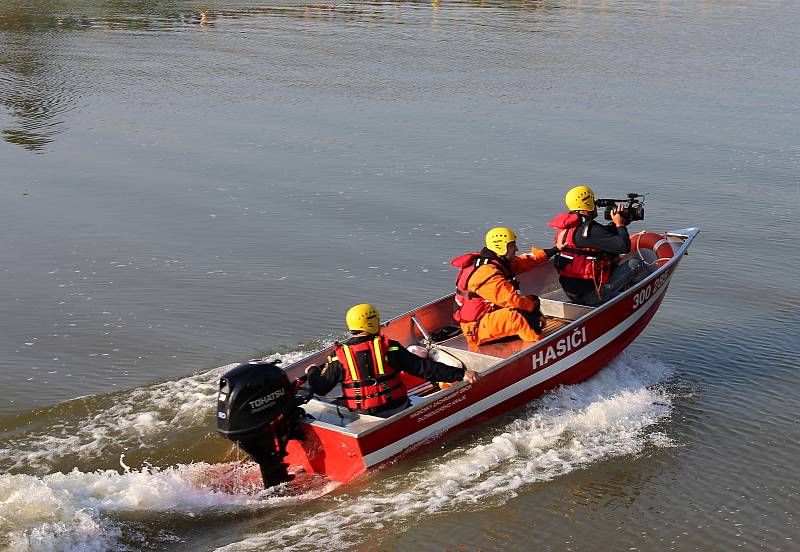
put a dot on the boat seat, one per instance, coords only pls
(324, 410)
(485, 356)
(557, 305)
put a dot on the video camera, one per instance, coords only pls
(631, 209)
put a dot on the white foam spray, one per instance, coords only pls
(610, 415)
(139, 419)
(77, 511)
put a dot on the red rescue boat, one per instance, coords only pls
(258, 407)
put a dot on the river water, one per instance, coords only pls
(188, 184)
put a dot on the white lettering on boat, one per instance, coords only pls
(644, 295)
(565, 345)
(267, 400)
(441, 405)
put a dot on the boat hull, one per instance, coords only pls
(568, 356)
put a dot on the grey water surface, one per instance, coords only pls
(189, 184)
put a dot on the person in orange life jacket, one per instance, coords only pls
(489, 306)
(588, 266)
(367, 364)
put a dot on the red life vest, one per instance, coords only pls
(370, 383)
(471, 307)
(586, 263)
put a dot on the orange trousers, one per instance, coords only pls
(497, 325)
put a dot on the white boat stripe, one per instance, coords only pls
(534, 379)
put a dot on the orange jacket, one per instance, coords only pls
(492, 286)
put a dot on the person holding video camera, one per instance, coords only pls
(588, 261)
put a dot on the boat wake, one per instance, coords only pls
(94, 431)
(83, 508)
(79, 511)
(615, 413)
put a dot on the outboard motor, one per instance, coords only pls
(257, 410)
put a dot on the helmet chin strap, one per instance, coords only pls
(588, 214)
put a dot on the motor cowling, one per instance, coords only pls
(257, 409)
(251, 395)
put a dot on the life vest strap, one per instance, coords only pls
(467, 294)
(368, 382)
(388, 406)
(584, 252)
(382, 392)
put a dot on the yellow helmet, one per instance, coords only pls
(580, 198)
(363, 318)
(497, 239)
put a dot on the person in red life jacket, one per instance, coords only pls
(587, 264)
(367, 365)
(489, 305)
